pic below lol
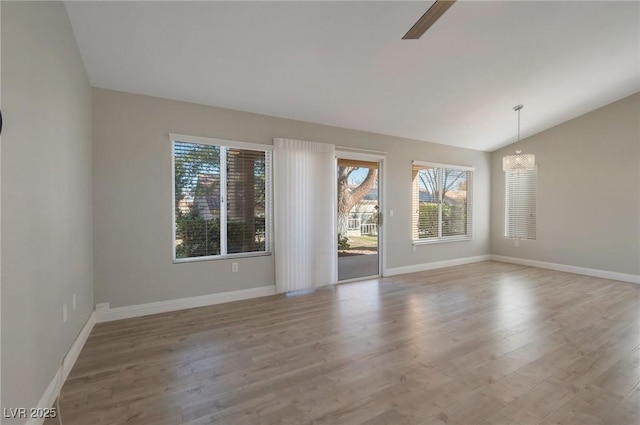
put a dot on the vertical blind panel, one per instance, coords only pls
(455, 202)
(246, 201)
(304, 214)
(520, 204)
(197, 199)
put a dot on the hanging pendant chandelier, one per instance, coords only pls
(519, 161)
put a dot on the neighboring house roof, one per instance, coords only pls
(208, 179)
(451, 197)
(372, 195)
(211, 193)
(424, 196)
(213, 202)
(208, 200)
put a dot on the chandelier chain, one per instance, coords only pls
(517, 108)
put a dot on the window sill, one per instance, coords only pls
(221, 257)
(441, 240)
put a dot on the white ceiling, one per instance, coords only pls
(344, 63)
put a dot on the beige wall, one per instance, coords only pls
(132, 195)
(588, 214)
(588, 191)
(46, 197)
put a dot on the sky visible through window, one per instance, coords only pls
(358, 176)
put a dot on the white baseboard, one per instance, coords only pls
(110, 314)
(435, 265)
(605, 274)
(51, 392)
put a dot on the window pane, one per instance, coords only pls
(197, 199)
(246, 201)
(442, 199)
(454, 202)
(427, 180)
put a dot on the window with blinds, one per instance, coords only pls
(221, 199)
(520, 203)
(442, 207)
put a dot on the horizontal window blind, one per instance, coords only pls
(222, 200)
(428, 198)
(246, 200)
(197, 200)
(456, 202)
(520, 203)
(442, 202)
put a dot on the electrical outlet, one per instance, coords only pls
(516, 243)
(234, 267)
(103, 306)
(64, 313)
(413, 248)
(73, 302)
(390, 213)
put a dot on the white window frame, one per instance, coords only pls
(224, 145)
(440, 238)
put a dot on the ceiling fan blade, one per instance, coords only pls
(430, 17)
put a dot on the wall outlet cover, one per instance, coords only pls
(102, 306)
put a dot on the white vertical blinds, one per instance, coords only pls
(521, 187)
(222, 200)
(305, 214)
(442, 202)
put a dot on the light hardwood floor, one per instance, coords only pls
(486, 343)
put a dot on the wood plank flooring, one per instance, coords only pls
(486, 343)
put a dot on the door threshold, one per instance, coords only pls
(358, 279)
